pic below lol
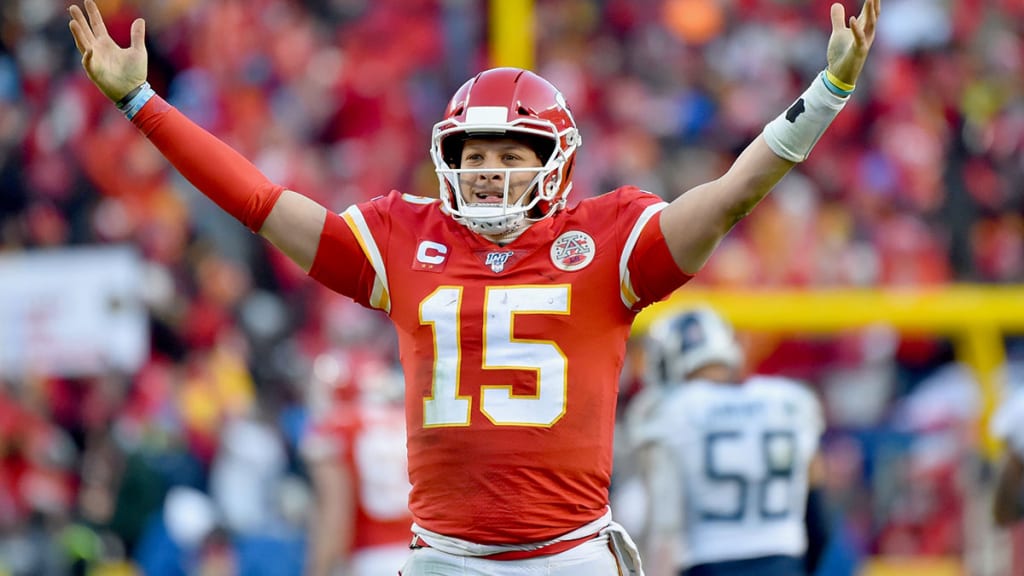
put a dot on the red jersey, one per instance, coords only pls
(511, 354)
(370, 440)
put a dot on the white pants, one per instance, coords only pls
(591, 558)
(378, 561)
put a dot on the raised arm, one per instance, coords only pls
(290, 221)
(695, 222)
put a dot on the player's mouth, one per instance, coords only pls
(487, 196)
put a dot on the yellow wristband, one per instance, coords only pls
(837, 82)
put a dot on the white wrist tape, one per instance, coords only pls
(795, 132)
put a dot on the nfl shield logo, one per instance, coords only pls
(497, 260)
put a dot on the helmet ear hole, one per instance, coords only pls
(568, 170)
(451, 151)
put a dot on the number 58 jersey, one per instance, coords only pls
(511, 354)
(743, 453)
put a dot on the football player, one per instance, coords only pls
(731, 463)
(512, 309)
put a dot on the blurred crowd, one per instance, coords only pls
(920, 181)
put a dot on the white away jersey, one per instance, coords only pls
(1008, 422)
(743, 453)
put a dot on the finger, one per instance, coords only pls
(865, 23)
(865, 12)
(76, 33)
(869, 24)
(838, 14)
(139, 34)
(864, 8)
(84, 37)
(859, 38)
(99, 29)
(871, 11)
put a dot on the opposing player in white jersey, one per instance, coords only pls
(1008, 426)
(730, 464)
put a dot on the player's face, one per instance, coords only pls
(499, 154)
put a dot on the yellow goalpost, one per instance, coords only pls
(511, 33)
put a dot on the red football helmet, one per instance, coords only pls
(514, 103)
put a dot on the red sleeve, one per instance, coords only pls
(654, 272)
(340, 263)
(213, 167)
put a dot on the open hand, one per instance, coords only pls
(116, 71)
(849, 45)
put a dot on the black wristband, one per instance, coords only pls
(123, 102)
